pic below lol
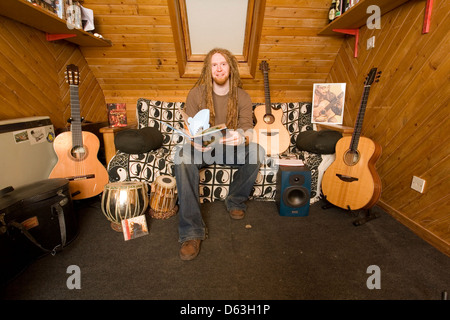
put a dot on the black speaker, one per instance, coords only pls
(293, 191)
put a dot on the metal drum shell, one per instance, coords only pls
(124, 200)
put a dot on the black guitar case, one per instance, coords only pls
(35, 220)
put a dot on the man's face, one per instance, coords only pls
(220, 69)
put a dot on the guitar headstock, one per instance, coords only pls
(72, 74)
(372, 76)
(264, 66)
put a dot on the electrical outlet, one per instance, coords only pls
(371, 43)
(417, 184)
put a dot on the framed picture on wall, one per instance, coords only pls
(328, 103)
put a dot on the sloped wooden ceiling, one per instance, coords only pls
(32, 81)
(143, 63)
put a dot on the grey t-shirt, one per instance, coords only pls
(195, 102)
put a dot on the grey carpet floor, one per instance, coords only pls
(263, 257)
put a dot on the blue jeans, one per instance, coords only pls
(188, 162)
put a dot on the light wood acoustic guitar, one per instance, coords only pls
(77, 151)
(270, 133)
(351, 181)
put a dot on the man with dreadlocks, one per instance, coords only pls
(218, 89)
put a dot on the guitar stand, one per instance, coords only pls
(367, 216)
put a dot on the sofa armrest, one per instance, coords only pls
(108, 139)
(346, 131)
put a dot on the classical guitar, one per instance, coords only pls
(270, 133)
(77, 151)
(351, 181)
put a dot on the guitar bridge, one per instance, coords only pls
(88, 176)
(269, 133)
(346, 178)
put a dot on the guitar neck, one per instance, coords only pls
(360, 119)
(75, 125)
(267, 93)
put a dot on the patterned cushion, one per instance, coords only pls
(215, 179)
(152, 113)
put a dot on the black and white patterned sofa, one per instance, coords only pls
(214, 179)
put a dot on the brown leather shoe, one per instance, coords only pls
(190, 249)
(237, 214)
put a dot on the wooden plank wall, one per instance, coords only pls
(32, 79)
(142, 61)
(408, 113)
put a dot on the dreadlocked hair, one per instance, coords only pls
(235, 83)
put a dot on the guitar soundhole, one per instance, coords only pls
(351, 157)
(269, 118)
(78, 153)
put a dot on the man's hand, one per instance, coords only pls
(232, 138)
(200, 147)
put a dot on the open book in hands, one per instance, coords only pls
(197, 126)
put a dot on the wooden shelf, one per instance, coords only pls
(345, 130)
(41, 19)
(356, 16)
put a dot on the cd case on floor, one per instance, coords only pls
(134, 227)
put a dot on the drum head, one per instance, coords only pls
(166, 181)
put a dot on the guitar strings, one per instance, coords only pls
(77, 135)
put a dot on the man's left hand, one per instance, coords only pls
(232, 138)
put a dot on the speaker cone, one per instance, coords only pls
(296, 196)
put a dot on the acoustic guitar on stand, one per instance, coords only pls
(77, 151)
(270, 133)
(351, 181)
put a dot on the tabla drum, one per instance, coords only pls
(163, 197)
(124, 200)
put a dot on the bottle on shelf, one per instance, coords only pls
(338, 8)
(332, 11)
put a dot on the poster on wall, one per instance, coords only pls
(328, 103)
